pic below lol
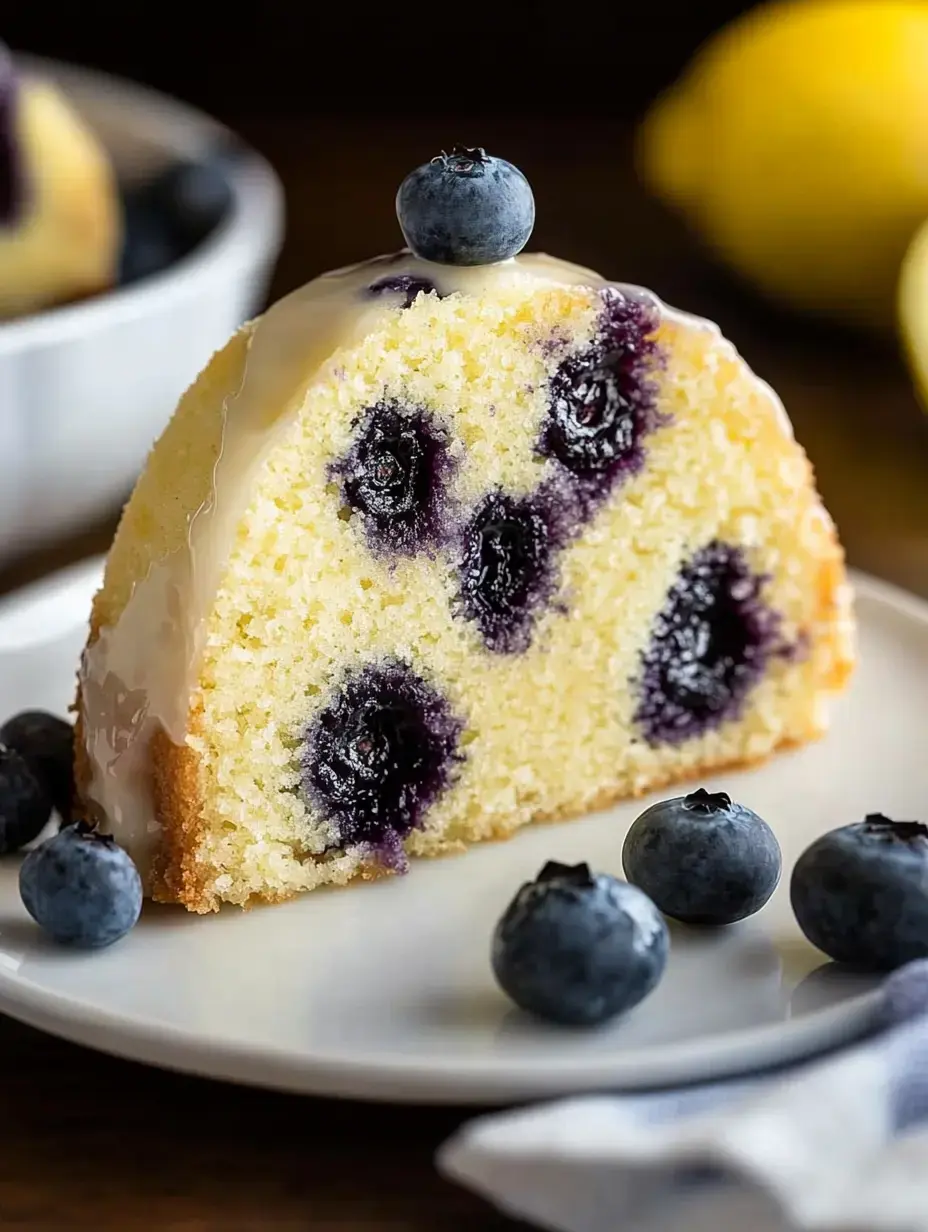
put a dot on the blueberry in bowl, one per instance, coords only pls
(703, 858)
(860, 893)
(169, 214)
(577, 948)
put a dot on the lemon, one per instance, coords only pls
(913, 310)
(796, 145)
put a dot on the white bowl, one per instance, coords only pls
(85, 389)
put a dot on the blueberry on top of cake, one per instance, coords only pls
(446, 543)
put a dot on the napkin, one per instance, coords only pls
(836, 1145)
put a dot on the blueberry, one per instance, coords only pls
(193, 197)
(703, 859)
(81, 888)
(12, 171)
(168, 216)
(377, 756)
(860, 894)
(577, 948)
(394, 476)
(709, 647)
(466, 208)
(409, 286)
(47, 744)
(25, 805)
(506, 569)
(148, 246)
(602, 402)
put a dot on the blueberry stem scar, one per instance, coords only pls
(573, 874)
(702, 801)
(906, 831)
(464, 160)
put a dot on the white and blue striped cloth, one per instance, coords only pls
(835, 1145)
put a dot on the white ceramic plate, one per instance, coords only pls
(384, 991)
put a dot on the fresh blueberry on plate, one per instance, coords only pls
(46, 742)
(25, 805)
(702, 858)
(81, 888)
(577, 948)
(860, 893)
(466, 208)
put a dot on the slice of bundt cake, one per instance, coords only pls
(434, 550)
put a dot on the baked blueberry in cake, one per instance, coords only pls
(60, 216)
(437, 548)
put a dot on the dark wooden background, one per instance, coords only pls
(90, 1142)
(415, 58)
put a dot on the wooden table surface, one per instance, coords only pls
(91, 1142)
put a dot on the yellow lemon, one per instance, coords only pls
(796, 144)
(913, 310)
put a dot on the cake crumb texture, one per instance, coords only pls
(549, 731)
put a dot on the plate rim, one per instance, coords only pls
(408, 1079)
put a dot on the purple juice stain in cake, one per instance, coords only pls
(406, 287)
(602, 402)
(12, 171)
(395, 477)
(506, 568)
(378, 755)
(710, 645)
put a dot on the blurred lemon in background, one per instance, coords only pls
(913, 309)
(796, 145)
